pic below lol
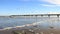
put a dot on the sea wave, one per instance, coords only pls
(35, 23)
(27, 25)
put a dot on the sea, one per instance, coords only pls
(44, 22)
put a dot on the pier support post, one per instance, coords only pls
(58, 16)
(41, 15)
(49, 16)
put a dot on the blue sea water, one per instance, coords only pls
(44, 21)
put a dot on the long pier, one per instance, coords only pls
(38, 15)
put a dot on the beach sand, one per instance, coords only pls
(33, 30)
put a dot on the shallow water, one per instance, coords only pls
(44, 22)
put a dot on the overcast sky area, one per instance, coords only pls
(18, 7)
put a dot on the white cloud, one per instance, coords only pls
(49, 1)
(54, 2)
(57, 2)
(47, 5)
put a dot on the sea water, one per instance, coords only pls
(44, 22)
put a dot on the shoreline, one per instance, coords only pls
(27, 25)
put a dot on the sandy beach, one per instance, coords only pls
(32, 30)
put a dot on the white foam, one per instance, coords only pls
(8, 28)
(20, 26)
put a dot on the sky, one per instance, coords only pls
(21, 7)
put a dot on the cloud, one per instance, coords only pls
(48, 5)
(57, 2)
(52, 3)
(49, 1)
